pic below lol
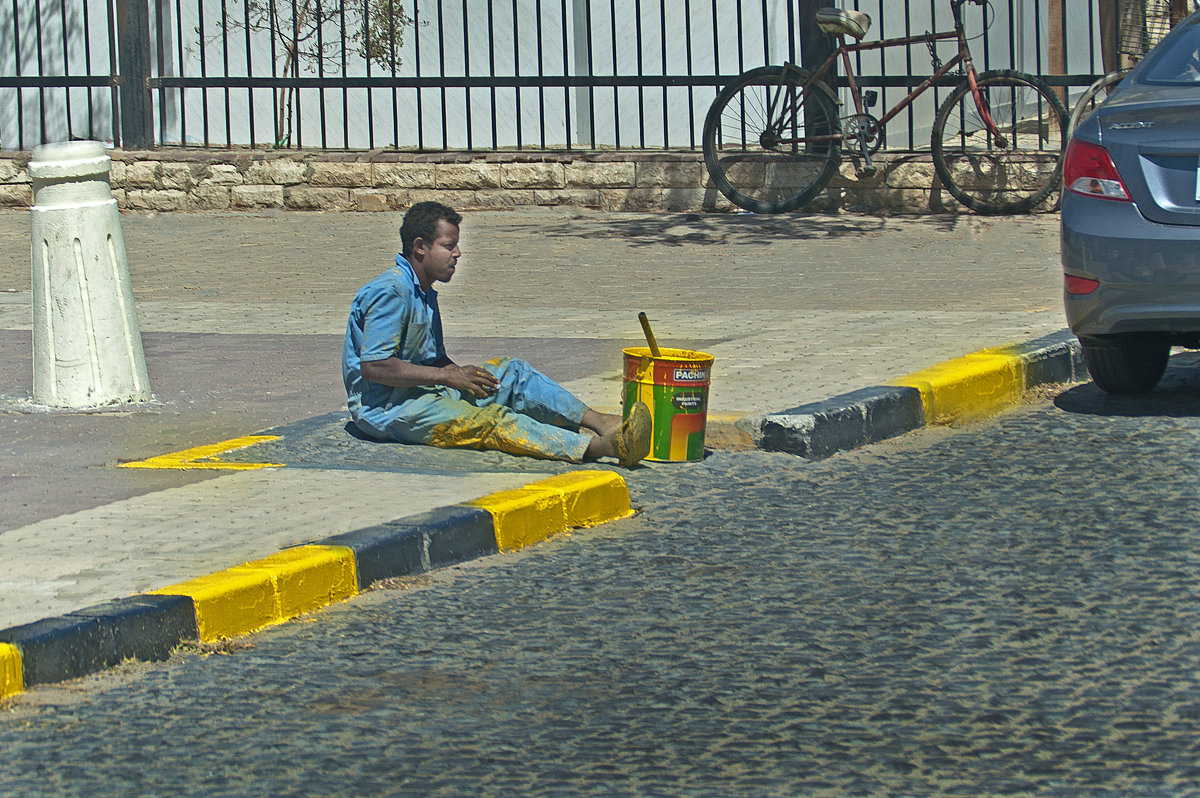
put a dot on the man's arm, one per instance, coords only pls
(398, 373)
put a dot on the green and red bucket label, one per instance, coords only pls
(674, 386)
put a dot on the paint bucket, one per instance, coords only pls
(674, 385)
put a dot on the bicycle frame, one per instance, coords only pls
(844, 50)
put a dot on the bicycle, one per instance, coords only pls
(773, 139)
(1094, 96)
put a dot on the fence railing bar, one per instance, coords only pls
(641, 70)
(442, 65)
(612, 35)
(662, 25)
(419, 98)
(225, 68)
(16, 22)
(295, 125)
(566, 59)
(160, 61)
(764, 13)
(249, 69)
(505, 81)
(66, 60)
(37, 19)
(276, 120)
(492, 69)
(691, 92)
(87, 59)
(541, 71)
(517, 69)
(466, 23)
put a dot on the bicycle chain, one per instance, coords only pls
(933, 56)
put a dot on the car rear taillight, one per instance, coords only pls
(1089, 170)
(1080, 285)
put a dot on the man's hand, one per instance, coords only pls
(472, 379)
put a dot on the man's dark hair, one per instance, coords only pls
(421, 222)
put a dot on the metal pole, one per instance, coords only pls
(1056, 43)
(815, 46)
(1109, 16)
(133, 41)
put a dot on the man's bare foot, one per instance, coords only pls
(629, 441)
(601, 423)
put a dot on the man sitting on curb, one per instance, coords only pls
(401, 386)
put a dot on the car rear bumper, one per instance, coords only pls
(1149, 273)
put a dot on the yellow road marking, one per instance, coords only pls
(199, 457)
(11, 681)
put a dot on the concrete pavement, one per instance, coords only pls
(242, 317)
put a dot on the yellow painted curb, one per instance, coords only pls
(590, 497)
(255, 594)
(199, 457)
(524, 516)
(969, 387)
(11, 679)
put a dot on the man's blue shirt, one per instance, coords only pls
(392, 316)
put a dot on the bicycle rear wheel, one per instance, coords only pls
(1094, 97)
(1010, 173)
(757, 140)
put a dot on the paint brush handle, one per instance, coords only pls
(654, 350)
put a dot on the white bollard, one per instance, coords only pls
(87, 348)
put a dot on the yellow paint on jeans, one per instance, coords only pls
(491, 427)
(271, 590)
(524, 516)
(969, 387)
(12, 681)
(202, 457)
(487, 427)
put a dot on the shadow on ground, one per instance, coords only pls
(1177, 396)
(693, 228)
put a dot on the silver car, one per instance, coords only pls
(1131, 219)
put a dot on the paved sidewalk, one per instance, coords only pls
(242, 317)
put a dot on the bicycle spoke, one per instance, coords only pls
(755, 142)
(1009, 169)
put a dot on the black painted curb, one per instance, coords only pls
(820, 429)
(419, 543)
(92, 639)
(149, 627)
(869, 415)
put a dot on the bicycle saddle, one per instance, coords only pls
(851, 23)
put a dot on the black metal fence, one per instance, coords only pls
(458, 74)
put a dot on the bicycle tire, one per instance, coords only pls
(1086, 103)
(750, 140)
(1010, 175)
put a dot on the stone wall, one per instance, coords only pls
(308, 180)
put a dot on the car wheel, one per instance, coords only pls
(1126, 364)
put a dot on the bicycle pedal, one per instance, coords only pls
(870, 98)
(869, 169)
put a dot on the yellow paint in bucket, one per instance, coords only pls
(674, 386)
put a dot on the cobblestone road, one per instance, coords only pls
(1009, 608)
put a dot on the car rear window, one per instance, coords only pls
(1176, 59)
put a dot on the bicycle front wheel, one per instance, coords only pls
(768, 146)
(1013, 168)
